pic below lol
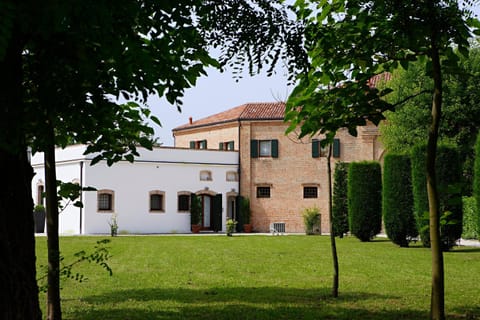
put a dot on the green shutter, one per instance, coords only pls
(231, 145)
(336, 148)
(192, 144)
(274, 148)
(217, 212)
(315, 148)
(220, 146)
(203, 144)
(254, 148)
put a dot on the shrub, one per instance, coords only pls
(311, 220)
(397, 199)
(476, 181)
(448, 174)
(365, 199)
(470, 225)
(340, 200)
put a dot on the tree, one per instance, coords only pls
(407, 126)
(476, 180)
(340, 199)
(351, 42)
(365, 199)
(448, 177)
(64, 65)
(397, 199)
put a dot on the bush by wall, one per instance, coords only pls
(311, 220)
(448, 174)
(365, 199)
(340, 200)
(397, 199)
(476, 181)
(470, 225)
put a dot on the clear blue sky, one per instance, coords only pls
(215, 93)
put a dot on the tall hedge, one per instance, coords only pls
(340, 200)
(397, 197)
(365, 199)
(476, 181)
(449, 175)
(470, 225)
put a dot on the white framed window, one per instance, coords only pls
(232, 176)
(205, 175)
(105, 200)
(183, 204)
(157, 201)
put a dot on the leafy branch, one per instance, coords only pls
(99, 256)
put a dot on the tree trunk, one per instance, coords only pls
(54, 311)
(437, 304)
(18, 285)
(330, 217)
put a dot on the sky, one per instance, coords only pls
(215, 93)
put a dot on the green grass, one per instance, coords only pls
(262, 277)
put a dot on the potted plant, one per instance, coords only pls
(246, 213)
(231, 226)
(113, 225)
(39, 218)
(196, 214)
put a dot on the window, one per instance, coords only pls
(264, 148)
(229, 145)
(205, 175)
(263, 192)
(199, 144)
(319, 151)
(105, 200)
(232, 176)
(157, 201)
(184, 202)
(40, 194)
(310, 192)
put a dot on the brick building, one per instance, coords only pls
(279, 173)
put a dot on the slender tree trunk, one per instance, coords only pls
(437, 304)
(54, 311)
(18, 285)
(330, 217)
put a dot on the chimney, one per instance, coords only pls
(190, 120)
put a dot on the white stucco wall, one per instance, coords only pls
(165, 169)
(69, 218)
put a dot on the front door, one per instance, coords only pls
(207, 211)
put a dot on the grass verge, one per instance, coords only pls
(262, 277)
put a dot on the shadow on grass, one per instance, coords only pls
(240, 303)
(465, 249)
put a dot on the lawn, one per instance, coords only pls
(262, 277)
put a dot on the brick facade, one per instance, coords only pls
(287, 174)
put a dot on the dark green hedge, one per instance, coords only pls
(470, 221)
(365, 199)
(398, 215)
(476, 181)
(340, 200)
(449, 176)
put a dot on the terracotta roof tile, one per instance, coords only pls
(248, 111)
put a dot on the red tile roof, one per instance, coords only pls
(248, 111)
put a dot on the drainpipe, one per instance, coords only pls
(81, 196)
(239, 158)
